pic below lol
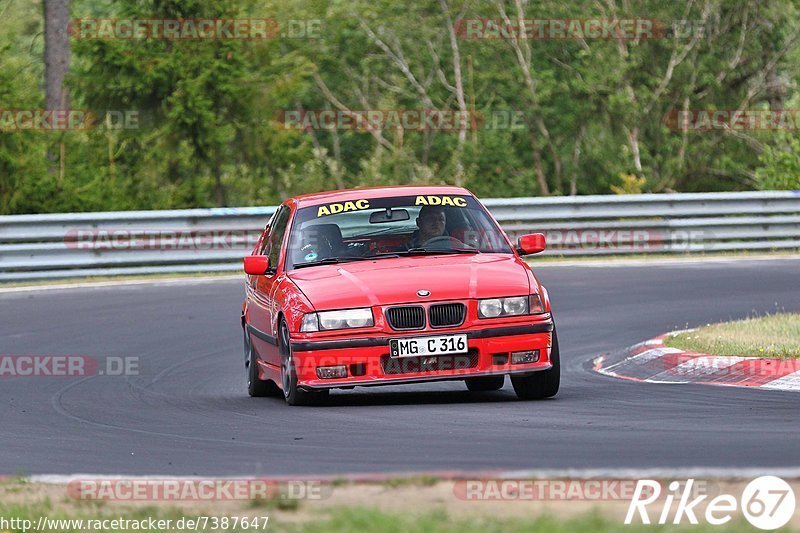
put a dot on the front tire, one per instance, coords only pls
(291, 393)
(488, 383)
(256, 387)
(542, 384)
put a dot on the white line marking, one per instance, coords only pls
(786, 472)
(661, 382)
(647, 355)
(787, 382)
(698, 365)
(705, 365)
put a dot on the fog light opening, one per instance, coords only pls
(358, 369)
(528, 356)
(331, 372)
(500, 359)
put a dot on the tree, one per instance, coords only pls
(780, 162)
(56, 53)
(56, 66)
(195, 97)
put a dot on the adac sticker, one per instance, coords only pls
(342, 207)
(455, 201)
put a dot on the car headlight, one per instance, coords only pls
(490, 308)
(328, 320)
(516, 305)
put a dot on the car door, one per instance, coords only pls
(264, 308)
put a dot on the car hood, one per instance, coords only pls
(397, 280)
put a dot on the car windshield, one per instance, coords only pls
(372, 228)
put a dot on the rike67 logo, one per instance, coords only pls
(767, 502)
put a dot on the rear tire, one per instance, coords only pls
(542, 384)
(488, 383)
(291, 393)
(256, 387)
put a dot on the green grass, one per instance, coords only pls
(415, 481)
(773, 336)
(347, 519)
(281, 502)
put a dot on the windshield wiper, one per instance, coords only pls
(331, 261)
(413, 251)
(383, 255)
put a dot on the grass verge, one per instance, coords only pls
(364, 519)
(774, 336)
(341, 519)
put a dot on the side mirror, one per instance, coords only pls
(256, 265)
(532, 243)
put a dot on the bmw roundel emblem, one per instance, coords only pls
(423, 293)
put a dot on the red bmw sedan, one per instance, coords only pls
(394, 285)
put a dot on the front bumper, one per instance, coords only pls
(368, 362)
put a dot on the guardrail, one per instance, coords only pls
(215, 240)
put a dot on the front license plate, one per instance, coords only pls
(424, 346)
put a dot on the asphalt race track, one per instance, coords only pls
(187, 412)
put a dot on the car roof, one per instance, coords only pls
(345, 195)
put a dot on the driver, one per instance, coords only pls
(431, 222)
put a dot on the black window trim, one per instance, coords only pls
(282, 248)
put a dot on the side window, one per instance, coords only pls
(263, 241)
(278, 230)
